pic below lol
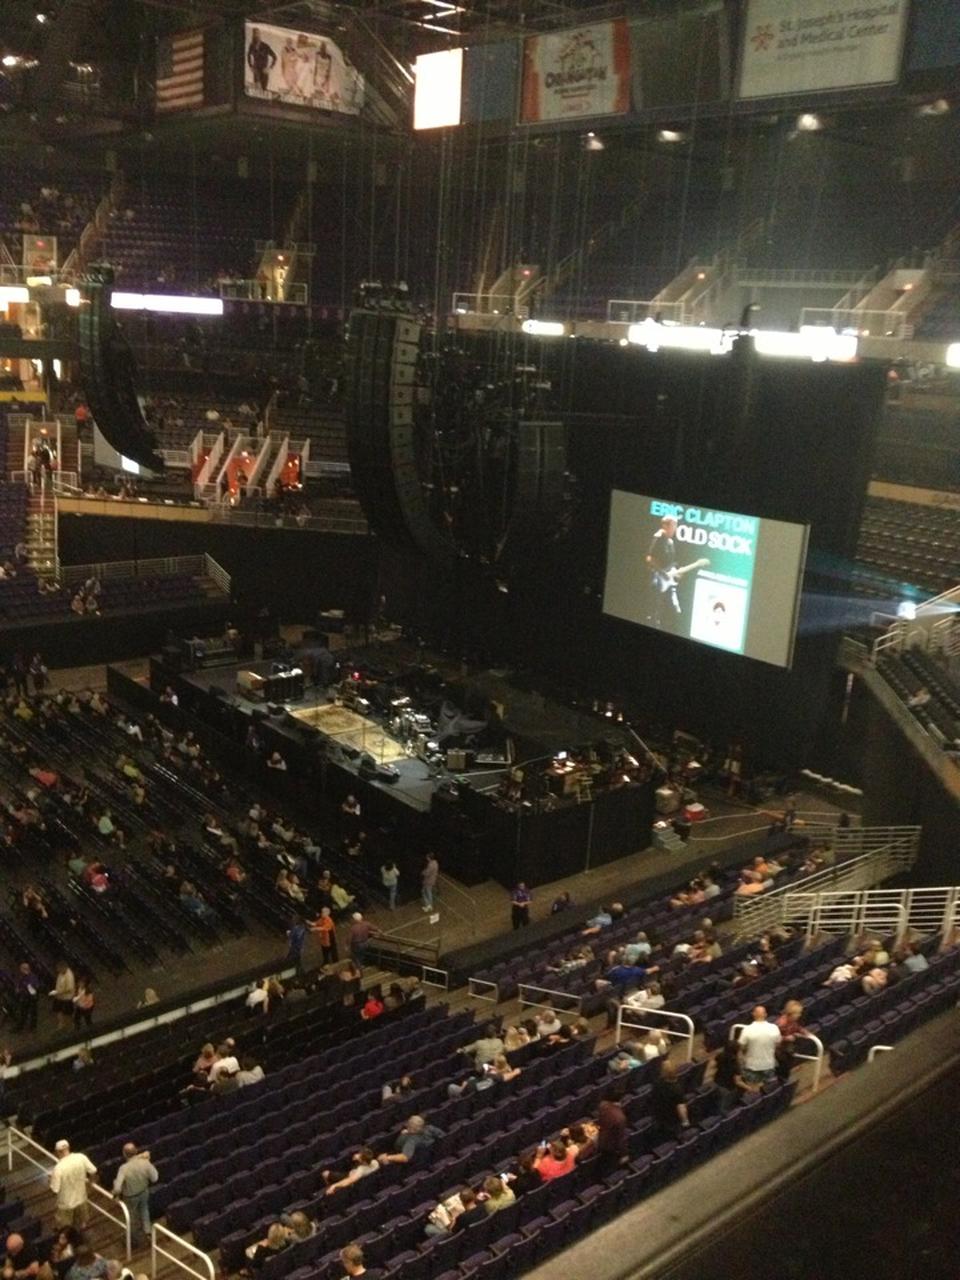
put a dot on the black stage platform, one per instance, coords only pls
(421, 805)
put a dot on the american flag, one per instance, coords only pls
(180, 71)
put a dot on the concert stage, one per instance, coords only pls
(422, 794)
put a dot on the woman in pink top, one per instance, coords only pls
(555, 1160)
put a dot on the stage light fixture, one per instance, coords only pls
(809, 122)
(907, 609)
(952, 358)
(813, 342)
(10, 60)
(14, 293)
(670, 135)
(544, 328)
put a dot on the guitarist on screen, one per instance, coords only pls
(665, 573)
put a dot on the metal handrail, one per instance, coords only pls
(24, 1139)
(686, 1035)
(547, 1004)
(474, 983)
(816, 1058)
(166, 566)
(879, 1048)
(156, 1251)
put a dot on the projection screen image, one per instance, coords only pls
(727, 580)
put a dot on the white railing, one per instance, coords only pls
(816, 1057)
(279, 462)
(635, 310)
(211, 462)
(887, 851)
(685, 1035)
(481, 989)
(117, 1213)
(157, 1250)
(296, 293)
(216, 573)
(806, 276)
(488, 304)
(878, 1048)
(259, 462)
(876, 324)
(882, 911)
(190, 566)
(178, 459)
(527, 995)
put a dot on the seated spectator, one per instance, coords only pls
(275, 1241)
(413, 1142)
(397, 1089)
(250, 1072)
(750, 883)
(488, 1047)
(364, 1162)
(874, 981)
(299, 1226)
(527, 1177)
(499, 1195)
(914, 961)
(502, 1070)
(207, 1060)
(515, 1038)
(276, 761)
(845, 972)
(21, 1260)
(607, 1139)
(561, 903)
(455, 1213)
(87, 1265)
(548, 1024)
(727, 1077)
(62, 1253)
(603, 919)
(637, 951)
(192, 901)
(554, 1160)
(373, 1005)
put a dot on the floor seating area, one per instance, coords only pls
(668, 924)
(906, 550)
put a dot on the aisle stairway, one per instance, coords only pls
(41, 534)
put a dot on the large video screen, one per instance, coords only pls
(727, 580)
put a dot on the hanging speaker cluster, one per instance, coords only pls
(108, 373)
(439, 473)
(383, 438)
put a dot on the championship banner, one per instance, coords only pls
(809, 46)
(582, 72)
(300, 69)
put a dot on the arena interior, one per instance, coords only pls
(480, 556)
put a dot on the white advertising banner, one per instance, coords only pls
(300, 69)
(582, 72)
(808, 46)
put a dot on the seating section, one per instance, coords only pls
(914, 674)
(61, 205)
(905, 549)
(169, 238)
(941, 317)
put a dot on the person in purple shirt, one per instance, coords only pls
(520, 906)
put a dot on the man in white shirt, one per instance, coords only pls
(68, 1182)
(758, 1048)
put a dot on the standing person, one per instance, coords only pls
(64, 989)
(68, 1182)
(83, 1002)
(428, 880)
(18, 669)
(361, 931)
(758, 1048)
(296, 941)
(326, 926)
(390, 877)
(667, 1104)
(38, 670)
(27, 993)
(132, 1184)
(520, 906)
